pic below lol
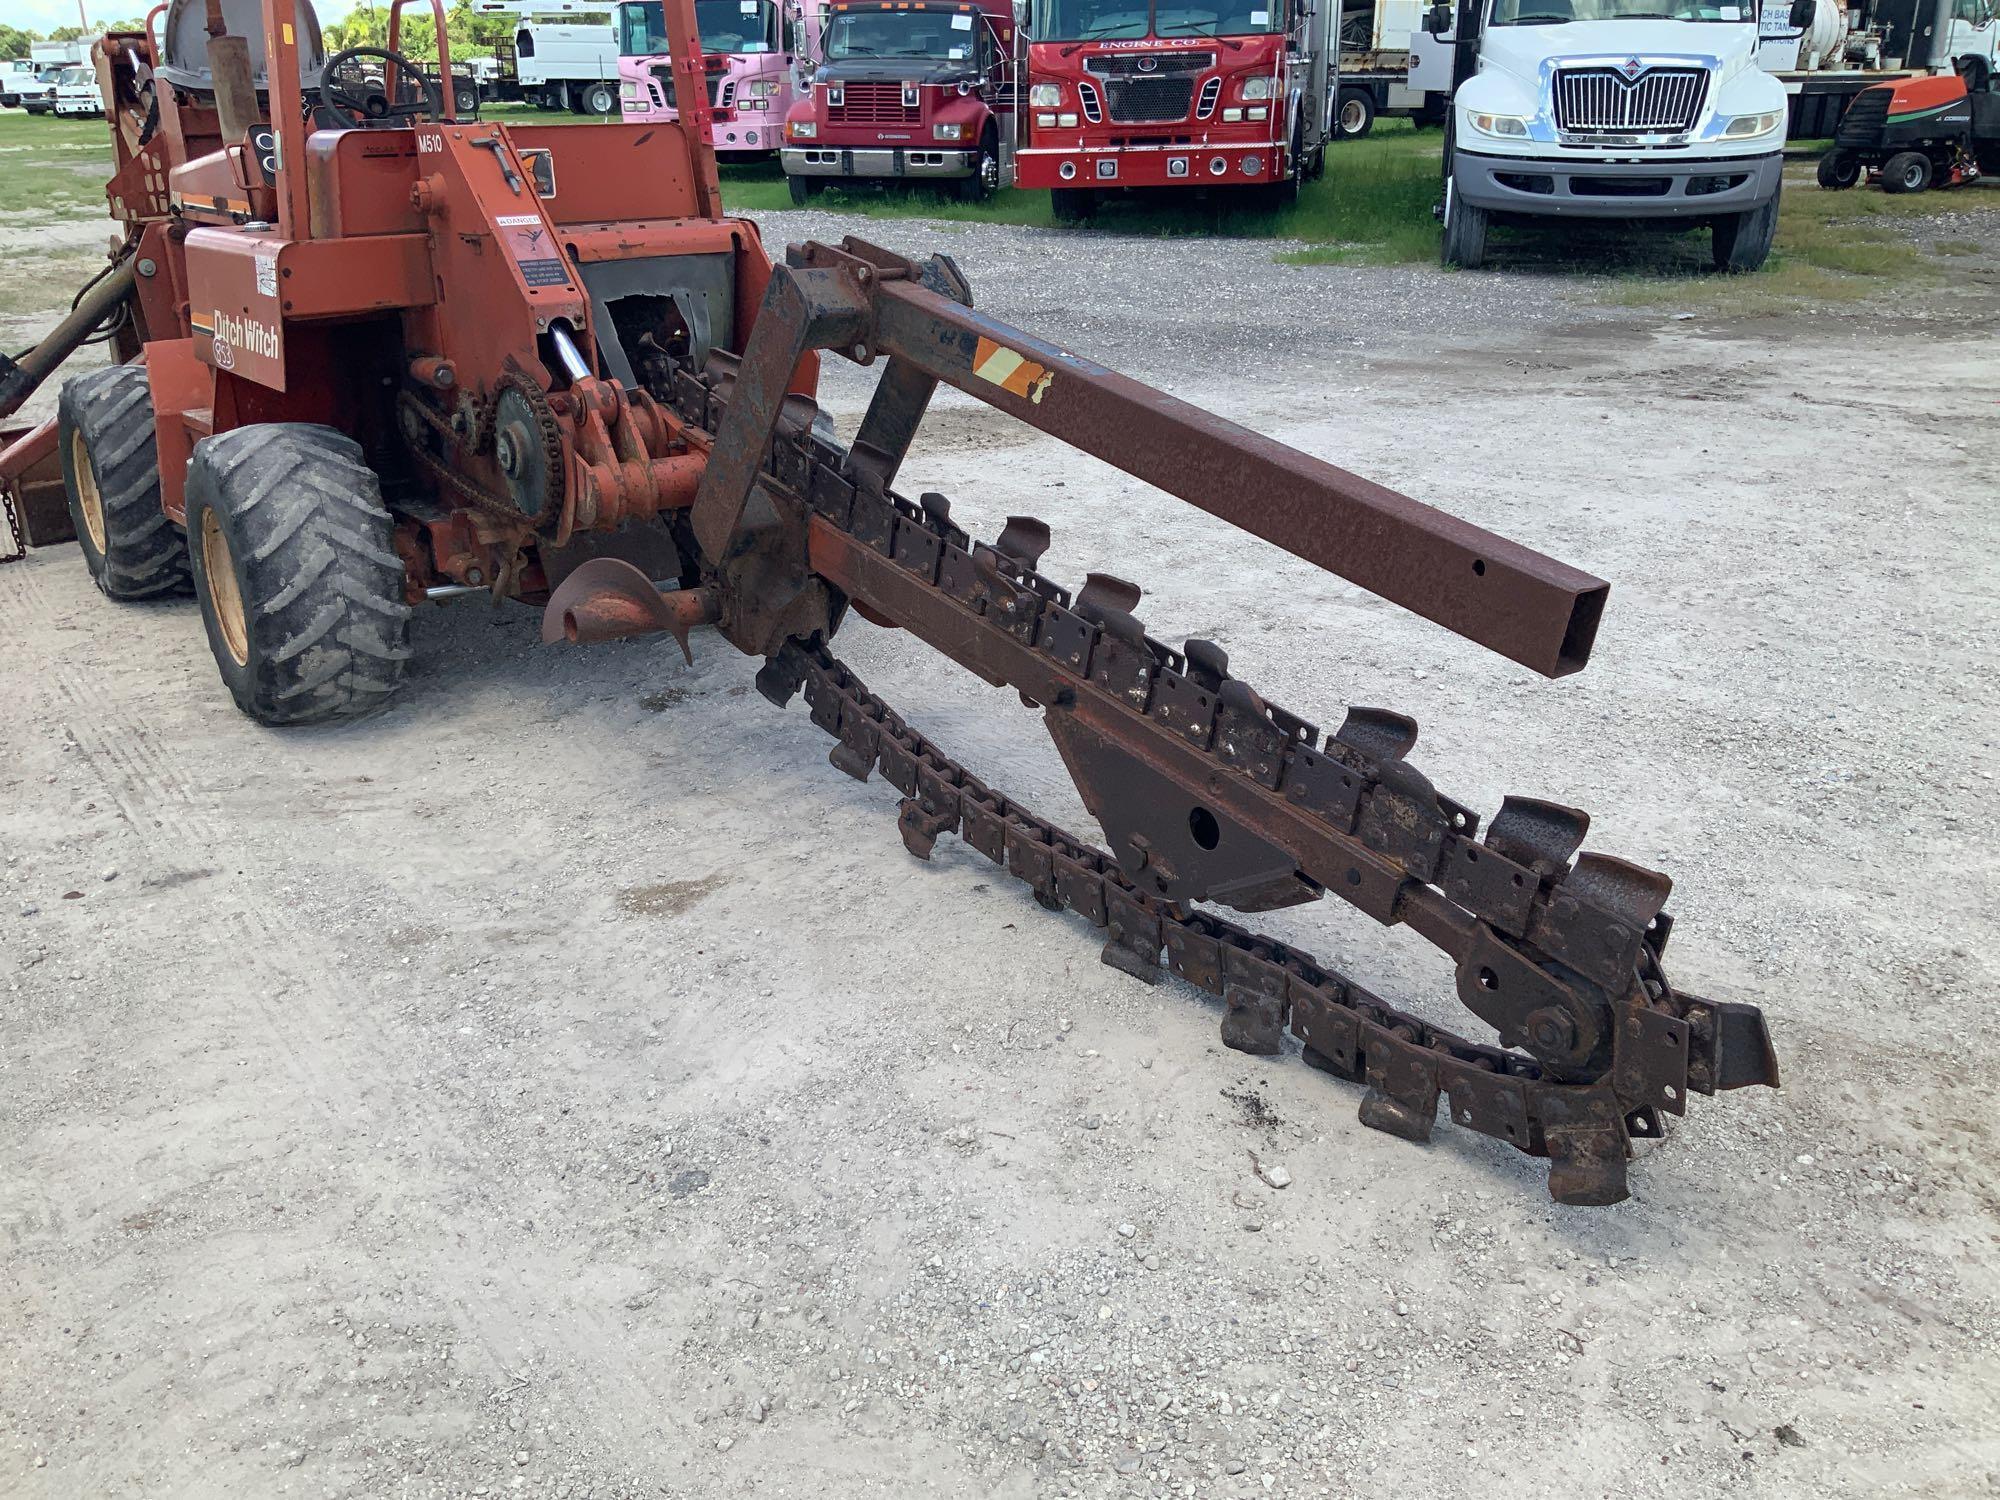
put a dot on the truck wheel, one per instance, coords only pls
(1742, 241)
(985, 179)
(1906, 172)
(104, 431)
(295, 567)
(465, 100)
(1357, 113)
(804, 189)
(597, 99)
(1073, 205)
(1464, 232)
(1839, 169)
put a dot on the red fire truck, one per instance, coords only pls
(907, 89)
(1175, 93)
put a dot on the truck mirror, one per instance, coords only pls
(1437, 20)
(1802, 13)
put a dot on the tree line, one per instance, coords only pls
(471, 34)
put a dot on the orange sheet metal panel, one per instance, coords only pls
(243, 286)
(181, 383)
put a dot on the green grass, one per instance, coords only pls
(50, 168)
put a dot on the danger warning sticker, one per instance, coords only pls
(1014, 373)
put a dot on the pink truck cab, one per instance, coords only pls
(746, 50)
(907, 89)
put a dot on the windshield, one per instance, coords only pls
(943, 34)
(75, 75)
(1555, 12)
(1113, 20)
(725, 25)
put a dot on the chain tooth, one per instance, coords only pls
(1630, 892)
(1207, 664)
(1024, 539)
(1379, 733)
(1544, 836)
(1105, 591)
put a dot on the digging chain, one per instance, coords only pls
(1598, 1077)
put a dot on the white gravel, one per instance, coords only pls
(564, 1084)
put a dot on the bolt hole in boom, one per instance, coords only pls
(1488, 980)
(1202, 825)
(1479, 566)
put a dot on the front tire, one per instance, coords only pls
(597, 99)
(1906, 172)
(111, 475)
(1072, 205)
(1838, 170)
(296, 570)
(1743, 241)
(804, 189)
(1465, 227)
(985, 179)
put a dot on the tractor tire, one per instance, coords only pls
(804, 189)
(111, 472)
(1743, 241)
(597, 99)
(1906, 172)
(1357, 113)
(1073, 205)
(296, 570)
(1838, 170)
(1465, 227)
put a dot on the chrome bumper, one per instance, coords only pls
(875, 161)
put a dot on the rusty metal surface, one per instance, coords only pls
(1204, 789)
(31, 491)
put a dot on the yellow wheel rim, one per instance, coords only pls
(223, 593)
(87, 499)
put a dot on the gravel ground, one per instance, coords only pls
(563, 1084)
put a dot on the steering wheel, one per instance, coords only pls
(356, 83)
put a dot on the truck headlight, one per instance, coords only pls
(1746, 127)
(762, 88)
(802, 130)
(629, 90)
(1511, 125)
(1045, 96)
(948, 132)
(1255, 88)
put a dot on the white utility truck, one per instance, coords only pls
(563, 54)
(1606, 109)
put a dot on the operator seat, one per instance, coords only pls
(185, 64)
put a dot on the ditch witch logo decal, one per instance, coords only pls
(230, 335)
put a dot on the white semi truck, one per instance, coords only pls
(1608, 110)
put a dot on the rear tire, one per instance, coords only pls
(1906, 172)
(1465, 227)
(1073, 205)
(597, 99)
(296, 570)
(1357, 113)
(1838, 170)
(1742, 241)
(111, 474)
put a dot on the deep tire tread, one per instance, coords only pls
(315, 560)
(144, 555)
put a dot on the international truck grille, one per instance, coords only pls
(721, 92)
(874, 104)
(1863, 123)
(1600, 101)
(1140, 100)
